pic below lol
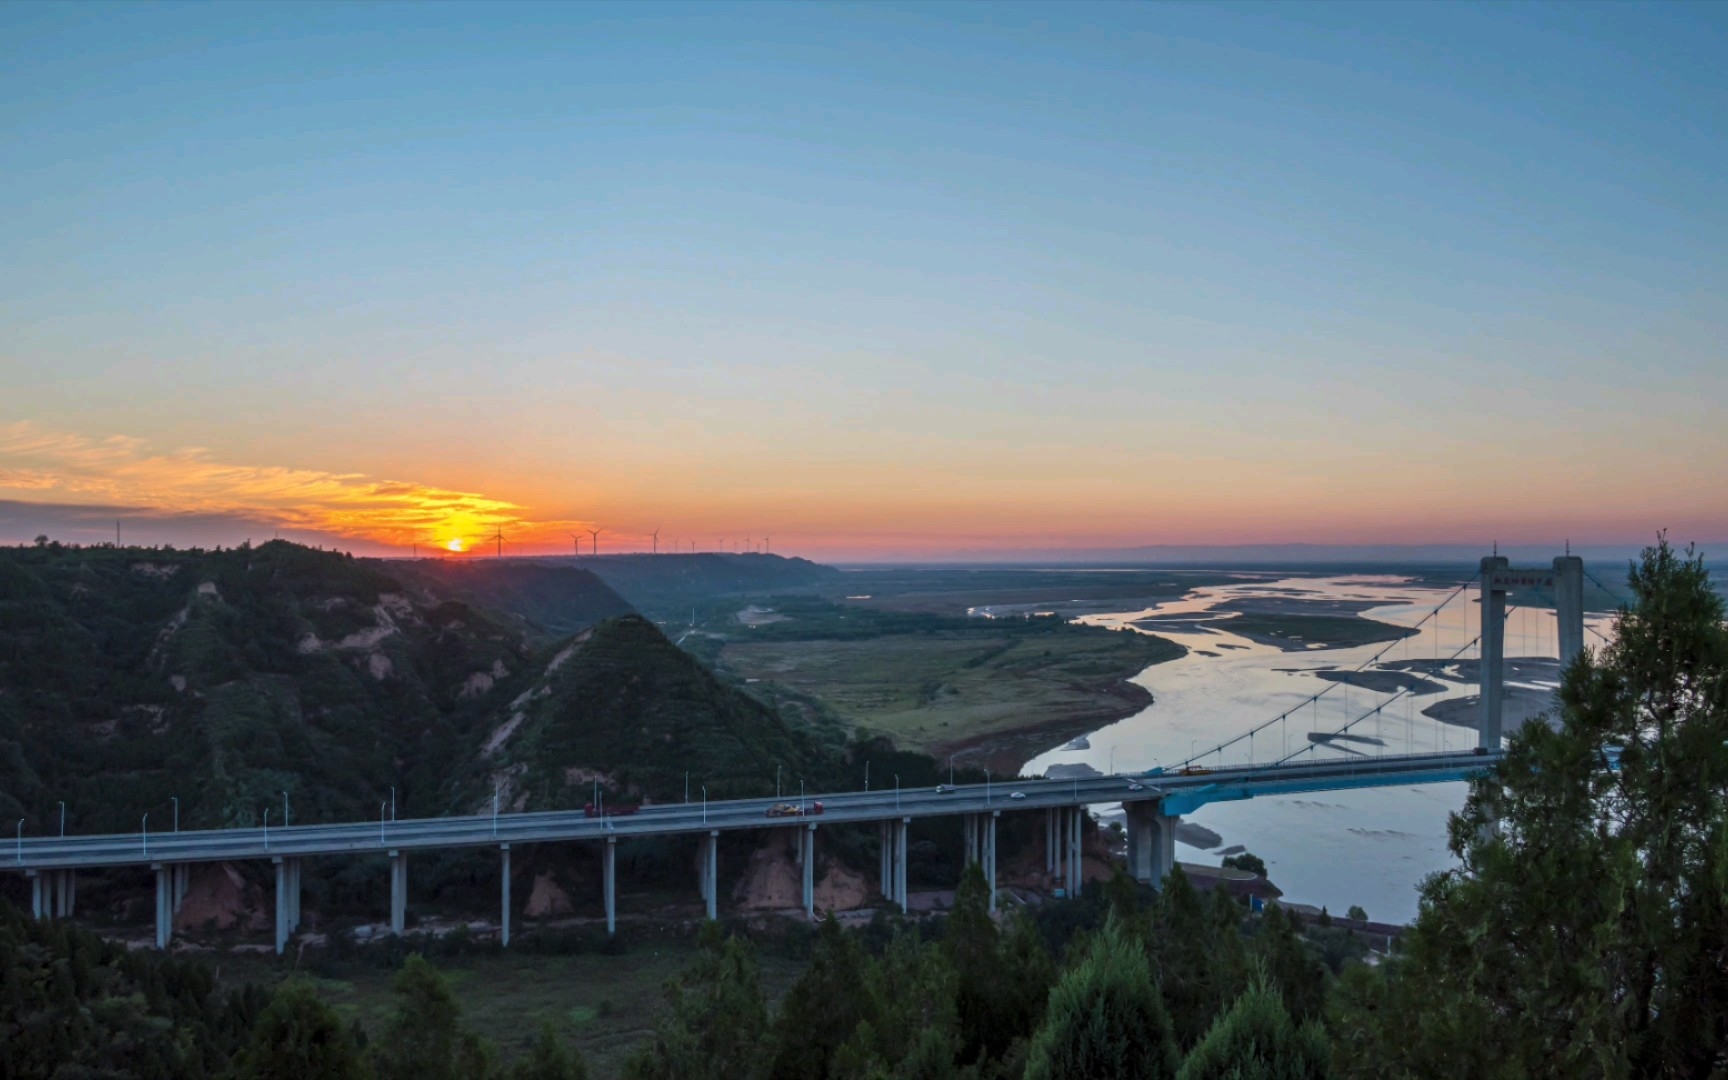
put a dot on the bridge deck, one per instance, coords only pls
(1179, 793)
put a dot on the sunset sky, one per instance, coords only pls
(874, 281)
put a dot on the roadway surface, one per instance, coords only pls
(419, 834)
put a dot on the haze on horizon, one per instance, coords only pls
(874, 281)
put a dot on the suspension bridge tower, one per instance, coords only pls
(1564, 581)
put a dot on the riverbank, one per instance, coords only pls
(995, 693)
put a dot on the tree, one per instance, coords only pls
(1356, 913)
(424, 1039)
(823, 1008)
(297, 1036)
(1198, 954)
(1255, 1039)
(912, 1029)
(1290, 965)
(1105, 1019)
(550, 1059)
(1583, 932)
(716, 1023)
(1248, 861)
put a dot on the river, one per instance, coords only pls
(1368, 847)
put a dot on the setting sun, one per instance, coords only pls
(455, 545)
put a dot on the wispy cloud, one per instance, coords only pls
(44, 466)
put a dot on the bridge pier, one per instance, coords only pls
(164, 903)
(990, 855)
(398, 892)
(610, 886)
(1076, 856)
(708, 856)
(287, 900)
(1151, 842)
(51, 893)
(807, 854)
(882, 852)
(900, 862)
(1050, 840)
(504, 905)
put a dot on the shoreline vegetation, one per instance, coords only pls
(1287, 623)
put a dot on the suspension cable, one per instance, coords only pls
(1331, 686)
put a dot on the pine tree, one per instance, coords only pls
(424, 1039)
(912, 1029)
(1198, 954)
(1255, 1039)
(1105, 1019)
(1290, 965)
(823, 1008)
(297, 1036)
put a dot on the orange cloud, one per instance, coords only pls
(38, 465)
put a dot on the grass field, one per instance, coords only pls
(602, 1005)
(940, 693)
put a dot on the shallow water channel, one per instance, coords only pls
(1369, 847)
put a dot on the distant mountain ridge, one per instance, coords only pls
(1294, 554)
(547, 600)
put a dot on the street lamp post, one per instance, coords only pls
(950, 770)
(175, 799)
(986, 787)
(686, 788)
(494, 811)
(392, 802)
(21, 839)
(145, 828)
(266, 828)
(704, 804)
(800, 795)
(896, 793)
(776, 781)
(1112, 761)
(381, 822)
(284, 809)
(62, 821)
(866, 774)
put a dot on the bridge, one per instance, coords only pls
(1153, 802)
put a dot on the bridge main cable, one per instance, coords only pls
(1305, 702)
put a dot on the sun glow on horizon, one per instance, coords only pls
(454, 545)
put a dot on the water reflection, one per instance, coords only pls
(1367, 847)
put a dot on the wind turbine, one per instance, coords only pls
(594, 538)
(656, 535)
(576, 542)
(500, 538)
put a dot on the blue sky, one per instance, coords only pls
(1163, 273)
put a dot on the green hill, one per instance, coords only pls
(132, 677)
(623, 704)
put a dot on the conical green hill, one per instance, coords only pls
(623, 703)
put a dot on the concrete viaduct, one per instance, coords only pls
(1153, 803)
